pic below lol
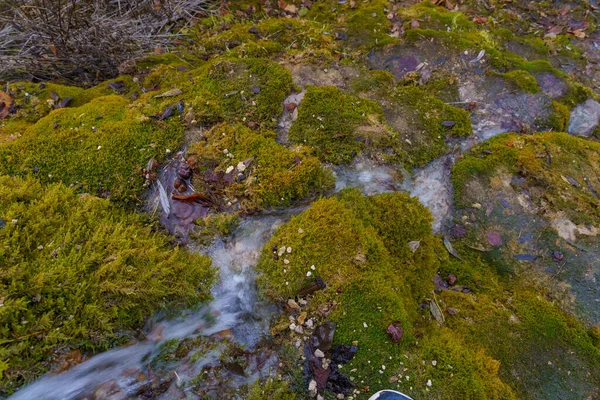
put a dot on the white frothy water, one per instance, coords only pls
(369, 177)
(235, 307)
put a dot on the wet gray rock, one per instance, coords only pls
(584, 118)
(552, 85)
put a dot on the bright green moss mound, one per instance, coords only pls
(275, 175)
(34, 100)
(101, 147)
(359, 247)
(546, 160)
(328, 120)
(522, 80)
(249, 90)
(76, 271)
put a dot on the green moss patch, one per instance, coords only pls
(249, 90)
(100, 147)
(328, 120)
(547, 161)
(269, 175)
(77, 271)
(522, 80)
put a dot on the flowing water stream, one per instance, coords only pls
(235, 311)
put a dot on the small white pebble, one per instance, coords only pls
(168, 151)
(308, 273)
(40, 247)
(99, 147)
(229, 169)
(300, 231)
(434, 363)
(286, 261)
(289, 249)
(429, 382)
(225, 151)
(312, 267)
(365, 325)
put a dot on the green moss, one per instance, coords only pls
(273, 176)
(437, 18)
(34, 100)
(359, 246)
(328, 120)
(522, 80)
(269, 389)
(100, 147)
(12, 129)
(368, 25)
(570, 156)
(558, 120)
(231, 90)
(77, 271)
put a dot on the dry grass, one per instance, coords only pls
(84, 41)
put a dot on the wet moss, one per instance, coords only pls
(270, 388)
(368, 25)
(100, 147)
(328, 120)
(213, 226)
(435, 17)
(80, 273)
(271, 174)
(12, 129)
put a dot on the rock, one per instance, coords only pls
(451, 279)
(448, 124)
(451, 311)
(317, 284)
(322, 337)
(292, 304)
(184, 171)
(395, 331)
(319, 353)
(290, 107)
(338, 382)
(255, 90)
(439, 284)
(299, 329)
(302, 317)
(180, 185)
(241, 166)
(341, 36)
(106, 390)
(342, 353)
(584, 118)
(312, 388)
(253, 30)
(557, 256)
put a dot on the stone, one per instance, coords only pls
(584, 118)
(292, 304)
(302, 317)
(319, 353)
(395, 331)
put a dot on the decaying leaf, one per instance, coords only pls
(5, 104)
(170, 93)
(414, 245)
(436, 312)
(450, 249)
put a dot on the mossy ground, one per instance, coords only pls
(79, 272)
(274, 175)
(101, 148)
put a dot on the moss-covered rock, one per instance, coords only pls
(100, 147)
(250, 167)
(80, 273)
(249, 90)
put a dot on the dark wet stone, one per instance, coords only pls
(319, 374)
(255, 90)
(451, 311)
(451, 280)
(342, 353)
(2, 223)
(395, 331)
(184, 171)
(180, 107)
(439, 283)
(338, 382)
(448, 124)
(228, 178)
(572, 181)
(317, 284)
(551, 85)
(234, 368)
(253, 30)
(180, 185)
(322, 337)
(466, 290)
(557, 256)
(341, 36)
